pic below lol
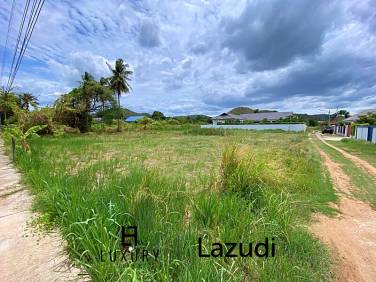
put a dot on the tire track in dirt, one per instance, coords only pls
(351, 235)
(24, 254)
(356, 160)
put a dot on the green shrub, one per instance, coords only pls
(40, 117)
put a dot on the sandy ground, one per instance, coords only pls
(24, 254)
(352, 234)
(332, 137)
(357, 161)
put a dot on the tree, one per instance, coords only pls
(312, 122)
(370, 118)
(105, 94)
(74, 108)
(158, 115)
(119, 81)
(344, 113)
(8, 103)
(27, 100)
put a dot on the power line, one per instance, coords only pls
(29, 31)
(18, 41)
(6, 40)
(36, 8)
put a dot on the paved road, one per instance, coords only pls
(24, 254)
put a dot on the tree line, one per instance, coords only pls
(75, 108)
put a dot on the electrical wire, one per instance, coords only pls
(36, 8)
(18, 41)
(29, 31)
(6, 40)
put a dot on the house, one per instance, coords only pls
(355, 117)
(254, 117)
(361, 132)
(133, 118)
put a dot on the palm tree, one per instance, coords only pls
(27, 100)
(119, 81)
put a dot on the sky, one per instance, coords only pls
(202, 56)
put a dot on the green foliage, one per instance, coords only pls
(21, 137)
(26, 100)
(193, 119)
(8, 104)
(145, 122)
(312, 122)
(370, 118)
(343, 113)
(156, 115)
(73, 109)
(41, 117)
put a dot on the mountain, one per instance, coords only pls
(246, 110)
(128, 112)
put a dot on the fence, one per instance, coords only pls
(298, 127)
(343, 130)
(367, 133)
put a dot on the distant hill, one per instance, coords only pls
(246, 110)
(193, 118)
(128, 112)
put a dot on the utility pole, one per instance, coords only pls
(329, 118)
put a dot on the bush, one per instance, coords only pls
(312, 122)
(145, 121)
(82, 120)
(41, 117)
(173, 121)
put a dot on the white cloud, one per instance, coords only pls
(180, 61)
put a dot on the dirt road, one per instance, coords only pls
(357, 161)
(352, 234)
(25, 255)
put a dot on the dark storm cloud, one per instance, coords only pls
(336, 78)
(149, 35)
(269, 34)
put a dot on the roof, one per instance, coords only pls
(356, 116)
(255, 116)
(133, 118)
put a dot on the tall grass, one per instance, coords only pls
(255, 194)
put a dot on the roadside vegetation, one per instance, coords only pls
(363, 181)
(363, 149)
(178, 185)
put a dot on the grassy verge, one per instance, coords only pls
(177, 187)
(366, 188)
(362, 149)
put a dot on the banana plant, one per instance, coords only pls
(21, 137)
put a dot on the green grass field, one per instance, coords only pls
(177, 186)
(362, 149)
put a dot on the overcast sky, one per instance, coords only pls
(206, 57)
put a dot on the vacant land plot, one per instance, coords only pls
(177, 186)
(362, 149)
